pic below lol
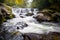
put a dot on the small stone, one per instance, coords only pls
(18, 28)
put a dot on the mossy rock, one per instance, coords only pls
(2, 19)
(48, 15)
(6, 13)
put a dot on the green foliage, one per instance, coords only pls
(17, 3)
(9, 2)
(53, 4)
(40, 3)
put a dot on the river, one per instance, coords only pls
(27, 24)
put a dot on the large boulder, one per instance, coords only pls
(29, 14)
(43, 16)
(49, 36)
(48, 16)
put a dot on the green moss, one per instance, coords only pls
(10, 16)
(2, 19)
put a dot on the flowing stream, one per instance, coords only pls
(27, 24)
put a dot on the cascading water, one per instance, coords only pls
(29, 3)
(27, 24)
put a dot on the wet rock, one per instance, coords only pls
(18, 28)
(11, 36)
(49, 36)
(43, 17)
(22, 16)
(30, 36)
(21, 25)
(54, 35)
(47, 16)
(5, 13)
(29, 14)
(1, 38)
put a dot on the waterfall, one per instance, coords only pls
(29, 3)
(27, 24)
(33, 25)
(23, 11)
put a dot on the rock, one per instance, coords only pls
(11, 36)
(18, 28)
(5, 14)
(43, 16)
(32, 36)
(2, 19)
(29, 14)
(56, 16)
(47, 16)
(22, 16)
(49, 36)
(21, 25)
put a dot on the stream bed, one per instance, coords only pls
(23, 24)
